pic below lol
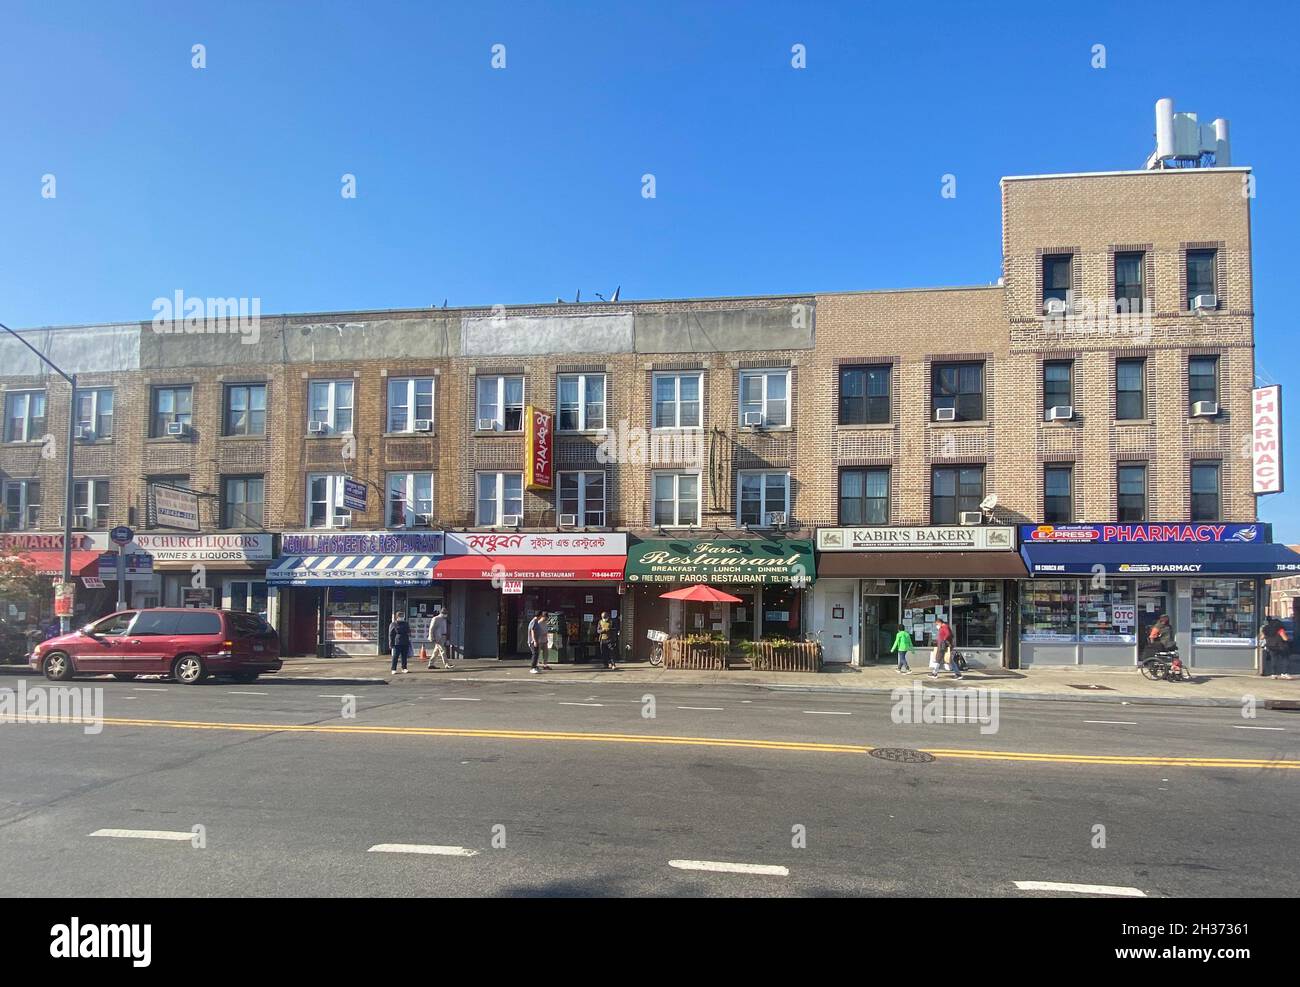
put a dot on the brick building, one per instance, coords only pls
(778, 416)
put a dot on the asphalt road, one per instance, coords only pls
(528, 788)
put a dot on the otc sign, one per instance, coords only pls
(538, 449)
(1266, 439)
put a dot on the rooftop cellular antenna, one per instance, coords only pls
(1183, 142)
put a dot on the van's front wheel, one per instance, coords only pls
(58, 667)
(189, 670)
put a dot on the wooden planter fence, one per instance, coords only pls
(801, 656)
(705, 655)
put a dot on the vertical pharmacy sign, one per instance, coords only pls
(1266, 439)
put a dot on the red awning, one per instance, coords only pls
(50, 563)
(544, 567)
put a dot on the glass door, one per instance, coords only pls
(1153, 596)
(879, 627)
(742, 616)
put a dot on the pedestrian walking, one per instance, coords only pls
(438, 639)
(903, 646)
(605, 637)
(399, 643)
(944, 653)
(1277, 648)
(537, 638)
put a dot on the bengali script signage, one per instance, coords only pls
(720, 560)
(538, 448)
(495, 543)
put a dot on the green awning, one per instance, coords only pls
(720, 560)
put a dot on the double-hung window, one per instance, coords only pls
(24, 416)
(500, 499)
(1057, 384)
(1205, 492)
(1200, 274)
(1058, 496)
(1130, 294)
(1056, 278)
(765, 398)
(864, 496)
(864, 395)
(761, 495)
(677, 400)
(580, 399)
(959, 386)
(22, 504)
(1130, 389)
(245, 410)
(324, 501)
(954, 491)
(242, 501)
(410, 500)
(90, 504)
(329, 407)
(1131, 493)
(95, 413)
(582, 497)
(1202, 380)
(410, 404)
(676, 499)
(171, 406)
(500, 403)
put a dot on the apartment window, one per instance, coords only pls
(22, 504)
(241, 501)
(1058, 494)
(1130, 389)
(676, 499)
(581, 402)
(500, 496)
(582, 494)
(90, 503)
(959, 386)
(410, 400)
(954, 490)
(24, 416)
(1202, 380)
(500, 401)
(329, 407)
(1131, 499)
(170, 406)
(677, 400)
(1130, 292)
(410, 500)
(325, 500)
(864, 395)
(765, 393)
(245, 412)
(1056, 277)
(761, 495)
(95, 413)
(1200, 273)
(1058, 384)
(864, 496)
(1205, 491)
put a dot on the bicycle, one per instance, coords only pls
(657, 639)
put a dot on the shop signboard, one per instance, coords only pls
(512, 587)
(361, 543)
(30, 541)
(138, 566)
(561, 543)
(1158, 534)
(936, 538)
(539, 439)
(351, 495)
(771, 561)
(206, 548)
(175, 507)
(1266, 439)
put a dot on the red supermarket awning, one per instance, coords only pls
(51, 563)
(550, 568)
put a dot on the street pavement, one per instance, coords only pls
(536, 786)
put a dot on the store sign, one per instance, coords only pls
(720, 560)
(539, 448)
(206, 548)
(1124, 615)
(518, 544)
(962, 538)
(1266, 439)
(82, 541)
(512, 587)
(175, 507)
(361, 543)
(350, 495)
(1093, 534)
(197, 596)
(1231, 642)
(138, 566)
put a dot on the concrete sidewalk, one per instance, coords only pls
(1073, 684)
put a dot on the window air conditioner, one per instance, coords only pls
(487, 424)
(752, 419)
(317, 428)
(945, 414)
(1205, 409)
(568, 520)
(775, 518)
(1060, 413)
(511, 520)
(85, 432)
(971, 518)
(1203, 303)
(178, 428)
(1055, 306)
(343, 521)
(424, 425)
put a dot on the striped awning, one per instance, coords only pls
(352, 570)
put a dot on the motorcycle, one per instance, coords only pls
(1166, 665)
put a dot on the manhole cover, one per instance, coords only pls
(904, 755)
(1090, 688)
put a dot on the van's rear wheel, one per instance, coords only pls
(58, 667)
(189, 670)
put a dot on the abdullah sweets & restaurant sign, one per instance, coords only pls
(720, 560)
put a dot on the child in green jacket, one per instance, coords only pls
(903, 644)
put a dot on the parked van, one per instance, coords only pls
(189, 644)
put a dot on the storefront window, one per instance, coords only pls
(781, 612)
(977, 613)
(1108, 613)
(1049, 610)
(352, 616)
(924, 601)
(1223, 611)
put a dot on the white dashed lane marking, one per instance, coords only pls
(458, 699)
(582, 704)
(1081, 888)
(826, 712)
(710, 709)
(425, 848)
(233, 692)
(1118, 723)
(1239, 727)
(145, 834)
(723, 867)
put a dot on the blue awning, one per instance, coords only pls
(352, 570)
(1161, 559)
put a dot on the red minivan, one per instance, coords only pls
(188, 644)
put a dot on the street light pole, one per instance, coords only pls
(65, 621)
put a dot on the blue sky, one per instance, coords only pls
(481, 186)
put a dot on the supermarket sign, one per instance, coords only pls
(1160, 534)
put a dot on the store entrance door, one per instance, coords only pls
(879, 625)
(1153, 602)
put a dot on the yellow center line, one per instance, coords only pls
(1113, 760)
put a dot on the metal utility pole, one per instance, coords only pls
(65, 621)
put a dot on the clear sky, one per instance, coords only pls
(481, 185)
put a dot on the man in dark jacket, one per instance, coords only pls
(1277, 647)
(399, 642)
(1161, 636)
